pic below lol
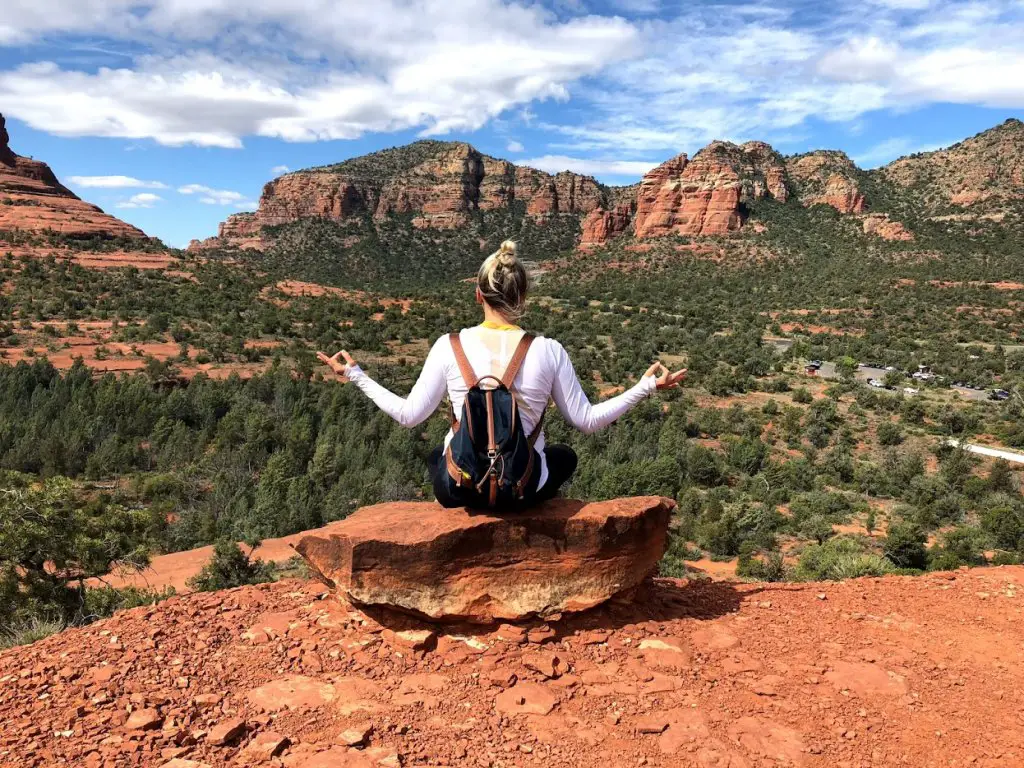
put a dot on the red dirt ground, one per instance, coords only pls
(301, 288)
(870, 673)
(175, 569)
(98, 260)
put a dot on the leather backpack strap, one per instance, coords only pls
(465, 368)
(517, 360)
(532, 439)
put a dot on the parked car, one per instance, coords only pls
(998, 394)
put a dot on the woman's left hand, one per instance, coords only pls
(664, 378)
(336, 365)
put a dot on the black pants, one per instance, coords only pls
(562, 463)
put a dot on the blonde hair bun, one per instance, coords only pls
(506, 253)
(503, 281)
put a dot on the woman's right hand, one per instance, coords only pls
(663, 377)
(336, 365)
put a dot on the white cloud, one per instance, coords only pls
(891, 149)
(669, 78)
(515, 146)
(749, 71)
(290, 69)
(115, 182)
(141, 200)
(590, 166)
(278, 169)
(211, 196)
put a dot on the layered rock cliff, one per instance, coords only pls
(826, 177)
(33, 200)
(708, 195)
(440, 184)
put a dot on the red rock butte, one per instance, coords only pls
(33, 200)
(461, 565)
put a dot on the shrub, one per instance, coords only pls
(230, 567)
(889, 433)
(678, 552)
(29, 631)
(770, 568)
(802, 395)
(960, 546)
(839, 558)
(720, 536)
(1005, 525)
(106, 601)
(904, 546)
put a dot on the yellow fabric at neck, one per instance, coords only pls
(499, 326)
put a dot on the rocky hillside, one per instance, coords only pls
(439, 184)
(363, 217)
(987, 168)
(895, 671)
(33, 200)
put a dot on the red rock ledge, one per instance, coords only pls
(463, 565)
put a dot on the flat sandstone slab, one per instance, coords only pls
(466, 565)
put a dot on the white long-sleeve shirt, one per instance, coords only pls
(546, 373)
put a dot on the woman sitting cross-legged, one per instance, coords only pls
(499, 380)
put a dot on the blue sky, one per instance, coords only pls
(172, 114)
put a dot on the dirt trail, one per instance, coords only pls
(870, 673)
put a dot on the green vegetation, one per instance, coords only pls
(791, 476)
(231, 567)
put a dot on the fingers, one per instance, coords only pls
(653, 370)
(323, 358)
(348, 357)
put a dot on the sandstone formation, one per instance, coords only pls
(826, 177)
(440, 184)
(33, 200)
(708, 195)
(473, 566)
(602, 225)
(985, 167)
(880, 225)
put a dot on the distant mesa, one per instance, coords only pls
(460, 565)
(33, 200)
(440, 185)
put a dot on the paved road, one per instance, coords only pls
(984, 450)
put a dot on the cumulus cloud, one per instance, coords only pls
(279, 169)
(748, 71)
(644, 76)
(288, 69)
(115, 182)
(141, 200)
(211, 196)
(590, 166)
(891, 149)
(515, 146)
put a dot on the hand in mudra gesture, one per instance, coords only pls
(665, 379)
(333, 362)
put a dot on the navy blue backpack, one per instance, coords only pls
(490, 458)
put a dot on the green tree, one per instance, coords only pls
(230, 567)
(51, 543)
(904, 546)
